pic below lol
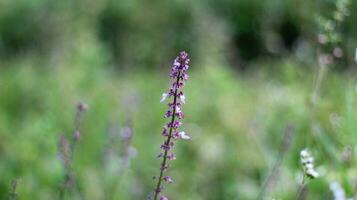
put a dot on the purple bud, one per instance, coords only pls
(165, 133)
(171, 157)
(176, 124)
(168, 114)
(175, 135)
(165, 147)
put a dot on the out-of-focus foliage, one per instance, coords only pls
(240, 30)
(252, 74)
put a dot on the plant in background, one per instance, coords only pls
(338, 192)
(171, 130)
(125, 153)
(273, 175)
(329, 33)
(117, 162)
(66, 151)
(329, 39)
(13, 193)
(127, 150)
(328, 53)
(307, 162)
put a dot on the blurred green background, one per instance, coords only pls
(254, 65)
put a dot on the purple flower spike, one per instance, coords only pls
(174, 113)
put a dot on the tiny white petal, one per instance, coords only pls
(183, 135)
(309, 166)
(178, 109)
(183, 99)
(304, 153)
(312, 173)
(163, 98)
(315, 174)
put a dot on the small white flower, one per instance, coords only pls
(183, 135)
(183, 99)
(307, 162)
(163, 98)
(337, 191)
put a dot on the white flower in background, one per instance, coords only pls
(183, 135)
(338, 192)
(307, 162)
(163, 98)
(356, 56)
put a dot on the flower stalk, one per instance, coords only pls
(170, 131)
(307, 162)
(67, 149)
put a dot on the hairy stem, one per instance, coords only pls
(167, 142)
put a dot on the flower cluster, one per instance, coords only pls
(307, 162)
(171, 130)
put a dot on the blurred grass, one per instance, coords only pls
(236, 122)
(250, 78)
